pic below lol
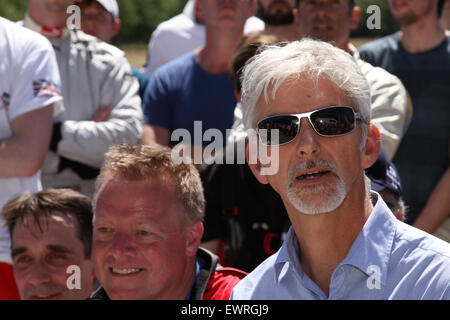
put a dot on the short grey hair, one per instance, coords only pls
(311, 59)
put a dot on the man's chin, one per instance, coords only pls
(127, 294)
(53, 296)
(317, 199)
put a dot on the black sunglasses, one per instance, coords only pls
(329, 122)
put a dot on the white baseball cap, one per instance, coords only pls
(110, 6)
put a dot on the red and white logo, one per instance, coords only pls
(44, 88)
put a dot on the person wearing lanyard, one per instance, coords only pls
(148, 212)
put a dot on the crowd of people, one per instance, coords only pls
(95, 203)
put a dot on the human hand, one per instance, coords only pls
(102, 114)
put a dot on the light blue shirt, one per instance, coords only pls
(388, 260)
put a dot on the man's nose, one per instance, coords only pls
(40, 273)
(122, 244)
(307, 140)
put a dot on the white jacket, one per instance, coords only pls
(93, 74)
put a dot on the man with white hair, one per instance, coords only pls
(344, 242)
(332, 21)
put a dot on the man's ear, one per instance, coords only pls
(198, 12)
(237, 95)
(253, 162)
(116, 27)
(295, 14)
(194, 236)
(355, 16)
(372, 148)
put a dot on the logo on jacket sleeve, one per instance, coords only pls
(44, 88)
(4, 101)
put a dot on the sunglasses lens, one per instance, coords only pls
(333, 121)
(286, 125)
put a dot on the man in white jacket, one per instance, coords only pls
(101, 99)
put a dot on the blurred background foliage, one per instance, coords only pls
(141, 17)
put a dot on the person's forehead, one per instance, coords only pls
(54, 228)
(302, 95)
(120, 199)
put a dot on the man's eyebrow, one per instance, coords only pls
(59, 248)
(18, 251)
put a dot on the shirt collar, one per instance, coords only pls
(189, 10)
(370, 251)
(287, 257)
(50, 33)
(353, 51)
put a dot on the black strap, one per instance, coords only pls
(84, 171)
(231, 193)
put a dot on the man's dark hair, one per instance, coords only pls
(47, 202)
(247, 48)
(440, 7)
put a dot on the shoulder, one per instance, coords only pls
(422, 259)
(379, 78)
(421, 242)
(372, 51)
(176, 68)
(174, 25)
(384, 43)
(20, 38)
(222, 282)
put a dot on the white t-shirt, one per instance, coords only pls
(29, 80)
(180, 35)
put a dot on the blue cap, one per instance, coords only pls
(384, 175)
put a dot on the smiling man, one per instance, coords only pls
(344, 242)
(147, 229)
(50, 232)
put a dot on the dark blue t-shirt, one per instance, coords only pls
(423, 154)
(182, 92)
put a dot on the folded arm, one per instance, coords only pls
(23, 153)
